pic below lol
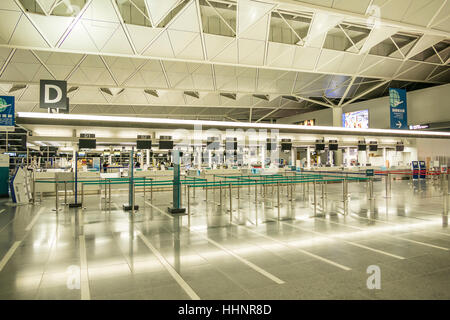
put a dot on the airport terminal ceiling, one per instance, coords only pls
(243, 60)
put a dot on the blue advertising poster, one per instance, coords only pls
(398, 107)
(7, 112)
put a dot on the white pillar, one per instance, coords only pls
(337, 117)
(147, 155)
(199, 158)
(308, 157)
(293, 156)
(348, 156)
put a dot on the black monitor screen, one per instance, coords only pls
(333, 146)
(373, 147)
(286, 146)
(165, 145)
(362, 147)
(271, 146)
(87, 143)
(143, 144)
(320, 146)
(399, 147)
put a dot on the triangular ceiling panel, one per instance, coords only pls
(78, 38)
(52, 26)
(9, 5)
(101, 10)
(161, 47)
(42, 74)
(142, 36)
(215, 44)
(46, 4)
(377, 35)
(118, 43)
(8, 21)
(425, 42)
(20, 71)
(193, 50)
(187, 19)
(100, 32)
(305, 58)
(229, 54)
(27, 35)
(158, 9)
(250, 12)
(258, 31)
(280, 55)
(180, 39)
(320, 25)
(251, 51)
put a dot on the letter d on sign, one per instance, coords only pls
(47, 94)
(53, 95)
(374, 281)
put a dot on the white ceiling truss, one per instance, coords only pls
(195, 54)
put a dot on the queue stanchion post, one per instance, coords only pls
(189, 205)
(278, 199)
(231, 204)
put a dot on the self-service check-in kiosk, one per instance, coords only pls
(415, 169)
(423, 169)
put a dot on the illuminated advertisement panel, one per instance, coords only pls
(356, 119)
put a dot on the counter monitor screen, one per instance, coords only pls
(333, 147)
(320, 146)
(362, 147)
(286, 146)
(399, 147)
(143, 144)
(271, 146)
(373, 147)
(165, 145)
(87, 143)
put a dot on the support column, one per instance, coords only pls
(337, 117)
(308, 157)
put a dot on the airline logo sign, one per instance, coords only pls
(53, 95)
(7, 116)
(398, 107)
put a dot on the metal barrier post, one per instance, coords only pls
(82, 192)
(445, 212)
(206, 192)
(315, 198)
(56, 197)
(371, 188)
(151, 191)
(345, 195)
(231, 204)
(239, 190)
(189, 205)
(278, 199)
(65, 193)
(144, 192)
(220, 195)
(34, 188)
(256, 194)
(109, 187)
(387, 185)
(133, 191)
(194, 187)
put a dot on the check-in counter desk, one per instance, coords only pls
(61, 176)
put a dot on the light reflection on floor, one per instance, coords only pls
(154, 256)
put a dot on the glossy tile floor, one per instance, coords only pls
(98, 254)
